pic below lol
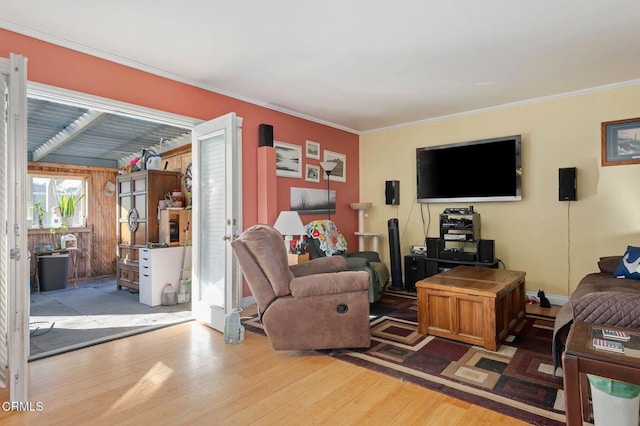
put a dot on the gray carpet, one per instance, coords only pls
(93, 313)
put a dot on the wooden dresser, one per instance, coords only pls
(138, 194)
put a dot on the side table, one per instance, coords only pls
(580, 359)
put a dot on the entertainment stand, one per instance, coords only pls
(459, 244)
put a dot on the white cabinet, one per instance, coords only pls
(159, 267)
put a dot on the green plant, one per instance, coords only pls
(62, 229)
(68, 205)
(39, 211)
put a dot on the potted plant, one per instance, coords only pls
(54, 231)
(68, 206)
(39, 211)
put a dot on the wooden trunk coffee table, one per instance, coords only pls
(471, 304)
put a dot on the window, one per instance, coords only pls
(46, 193)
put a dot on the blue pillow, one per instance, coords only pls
(628, 266)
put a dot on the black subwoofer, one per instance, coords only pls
(415, 269)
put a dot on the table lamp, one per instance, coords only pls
(289, 224)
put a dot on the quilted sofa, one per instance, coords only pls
(600, 298)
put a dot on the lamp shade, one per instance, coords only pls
(328, 166)
(289, 223)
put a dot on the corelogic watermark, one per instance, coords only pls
(22, 406)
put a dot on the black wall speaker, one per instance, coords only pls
(486, 250)
(415, 269)
(394, 254)
(392, 192)
(567, 184)
(265, 135)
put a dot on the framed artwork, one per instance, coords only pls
(312, 150)
(288, 160)
(621, 142)
(312, 173)
(339, 173)
(313, 201)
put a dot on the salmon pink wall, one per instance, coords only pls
(65, 68)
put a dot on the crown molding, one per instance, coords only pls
(505, 106)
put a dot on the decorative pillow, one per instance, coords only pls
(628, 266)
(609, 264)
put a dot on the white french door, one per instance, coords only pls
(14, 256)
(217, 201)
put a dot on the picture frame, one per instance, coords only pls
(312, 201)
(312, 150)
(312, 173)
(339, 173)
(288, 160)
(621, 142)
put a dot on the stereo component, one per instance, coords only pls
(415, 269)
(265, 135)
(394, 254)
(567, 184)
(392, 192)
(486, 251)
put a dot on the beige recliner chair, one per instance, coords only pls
(319, 304)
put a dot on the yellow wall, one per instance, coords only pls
(555, 243)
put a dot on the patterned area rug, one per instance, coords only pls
(516, 380)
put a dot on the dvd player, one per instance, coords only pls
(452, 254)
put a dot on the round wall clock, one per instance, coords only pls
(132, 220)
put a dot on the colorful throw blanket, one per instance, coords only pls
(331, 240)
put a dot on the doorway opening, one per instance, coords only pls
(74, 136)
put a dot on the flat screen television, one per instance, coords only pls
(476, 171)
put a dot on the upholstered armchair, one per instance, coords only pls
(318, 304)
(326, 240)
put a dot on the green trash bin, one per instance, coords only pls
(614, 403)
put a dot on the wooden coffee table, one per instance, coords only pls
(471, 304)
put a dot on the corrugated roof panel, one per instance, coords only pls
(111, 137)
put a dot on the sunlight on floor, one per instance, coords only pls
(143, 390)
(94, 322)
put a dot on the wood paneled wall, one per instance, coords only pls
(96, 256)
(97, 246)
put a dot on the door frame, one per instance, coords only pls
(70, 97)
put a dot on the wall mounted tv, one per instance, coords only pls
(484, 170)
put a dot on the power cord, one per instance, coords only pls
(34, 332)
(406, 224)
(568, 247)
(425, 232)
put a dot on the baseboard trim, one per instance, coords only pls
(553, 298)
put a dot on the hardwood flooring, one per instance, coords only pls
(186, 374)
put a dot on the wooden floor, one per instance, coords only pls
(186, 374)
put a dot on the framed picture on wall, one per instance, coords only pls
(339, 173)
(312, 150)
(288, 160)
(621, 142)
(313, 201)
(312, 173)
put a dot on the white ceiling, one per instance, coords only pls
(360, 65)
